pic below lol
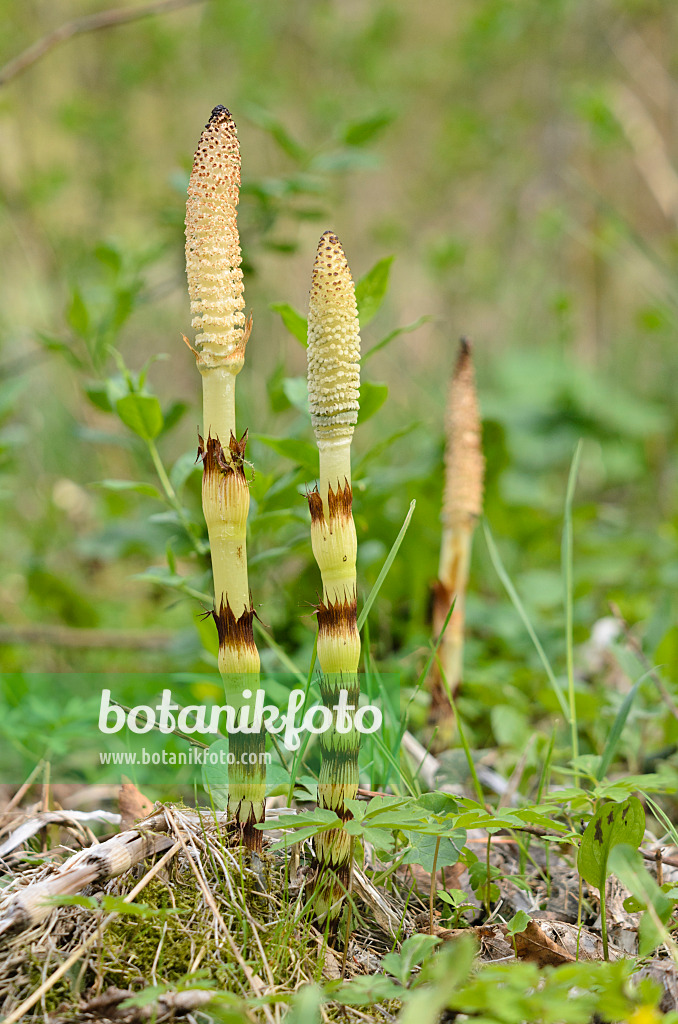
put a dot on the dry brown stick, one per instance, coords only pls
(79, 26)
(70, 636)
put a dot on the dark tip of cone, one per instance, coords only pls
(219, 113)
(464, 346)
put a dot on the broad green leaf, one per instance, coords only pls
(372, 397)
(303, 453)
(423, 849)
(611, 825)
(138, 486)
(438, 803)
(293, 321)
(371, 289)
(142, 414)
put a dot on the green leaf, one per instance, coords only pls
(138, 486)
(518, 923)
(413, 952)
(268, 122)
(627, 864)
(367, 989)
(423, 849)
(456, 898)
(142, 414)
(372, 397)
(438, 803)
(173, 414)
(303, 453)
(371, 289)
(296, 392)
(358, 133)
(611, 825)
(97, 392)
(293, 321)
(77, 314)
(185, 465)
(407, 329)
(618, 728)
(305, 1007)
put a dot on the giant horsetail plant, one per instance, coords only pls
(333, 393)
(215, 285)
(462, 504)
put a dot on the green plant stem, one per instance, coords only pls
(348, 911)
(579, 906)
(171, 495)
(432, 890)
(488, 867)
(603, 923)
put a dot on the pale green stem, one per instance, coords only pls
(172, 498)
(218, 402)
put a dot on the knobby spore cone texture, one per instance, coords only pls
(333, 342)
(464, 462)
(213, 257)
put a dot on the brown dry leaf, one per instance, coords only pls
(490, 938)
(453, 875)
(133, 804)
(332, 966)
(534, 944)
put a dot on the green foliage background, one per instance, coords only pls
(485, 145)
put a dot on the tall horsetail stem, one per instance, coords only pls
(462, 504)
(215, 285)
(333, 393)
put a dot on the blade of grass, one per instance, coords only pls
(520, 608)
(567, 561)
(390, 558)
(618, 728)
(464, 742)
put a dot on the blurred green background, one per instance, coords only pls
(518, 162)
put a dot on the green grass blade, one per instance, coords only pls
(520, 608)
(567, 559)
(385, 568)
(618, 728)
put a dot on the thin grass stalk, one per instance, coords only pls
(462, 504)
(215, 284)
(333, 391)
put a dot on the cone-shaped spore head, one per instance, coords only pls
(333, 344)
(213, 257)
(464, 461)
